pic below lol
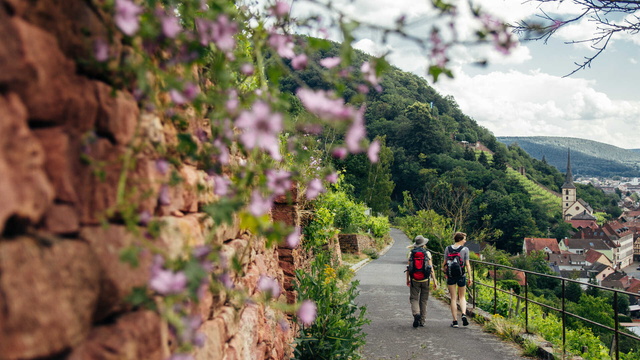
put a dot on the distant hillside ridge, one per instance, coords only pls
(588, 158)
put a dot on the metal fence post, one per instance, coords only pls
(615, 316)
(564, 324)
(495, 289)
(473, 280)
(526, 303)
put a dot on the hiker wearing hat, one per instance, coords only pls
(419, 272)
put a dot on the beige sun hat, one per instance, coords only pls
(420, 241)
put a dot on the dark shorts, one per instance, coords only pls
(460, 281)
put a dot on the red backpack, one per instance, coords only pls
(419, 268)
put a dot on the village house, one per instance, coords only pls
(582, 246)
(567, 261)
(614, 280)
(548, 245)
(599, 272)
(622, 237)
(592, 257)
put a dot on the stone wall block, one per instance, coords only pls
(62, 219)
(216, 337)
(48, 295)
(117, 114)
(59, 164)
(288, 214)
(190, 183)
(55, 94)
(133, 336)
(98, 180)
(181, 233)
(25, 189)
(118, 278)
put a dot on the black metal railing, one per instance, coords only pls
(524, 296)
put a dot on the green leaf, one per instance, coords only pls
(222, 211)
(186, 145)
(130, 255)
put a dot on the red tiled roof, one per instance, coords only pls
(531, 244)
(592, 256)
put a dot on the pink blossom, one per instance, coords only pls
(314, 188)
(220, 185)
(226, 280)
(557, 24)
(373, 151)
(162, 166)
(126, 16)
(180, 356)
(283, 45)
(233, 102)
(170, 25)
(220, 32)
(369, 73)
(278, 181)
(284, 325)
(322, 105)
(259, 205)
(307, 312)
(164, 198)
(167, 282)
(189, 333)
(101, 50)
(188, 94)
(281, 9)
(330, 62)
(332, 178)
(201, 252)
(223, 151)
(201, 135)
(504, 42)
(339, 153)
(260, 129)
(299, 62)
(269, 286)
(356, 133)
(363, 89)
(293, 239)
(315, 129)
(246, 69)
(144, 218)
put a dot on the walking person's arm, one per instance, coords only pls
(433, 275)
(468, 265)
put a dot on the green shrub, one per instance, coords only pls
(371, 253)
(337, 330)
(379, 226)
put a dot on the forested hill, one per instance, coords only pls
(424, 164)
(588, 158)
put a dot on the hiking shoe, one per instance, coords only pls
(454, 324)
(416, 321)
(421, 324)
(465, 322)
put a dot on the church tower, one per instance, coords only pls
(568, 189)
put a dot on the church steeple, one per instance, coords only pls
(569, 195)
(568, 180)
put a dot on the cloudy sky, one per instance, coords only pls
(526, 93)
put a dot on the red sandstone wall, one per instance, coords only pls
(62, 285)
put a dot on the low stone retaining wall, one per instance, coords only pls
(354, 243)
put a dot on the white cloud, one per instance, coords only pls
(528, 104)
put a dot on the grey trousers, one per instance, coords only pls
(418, 296)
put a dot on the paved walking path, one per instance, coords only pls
(391, 334)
